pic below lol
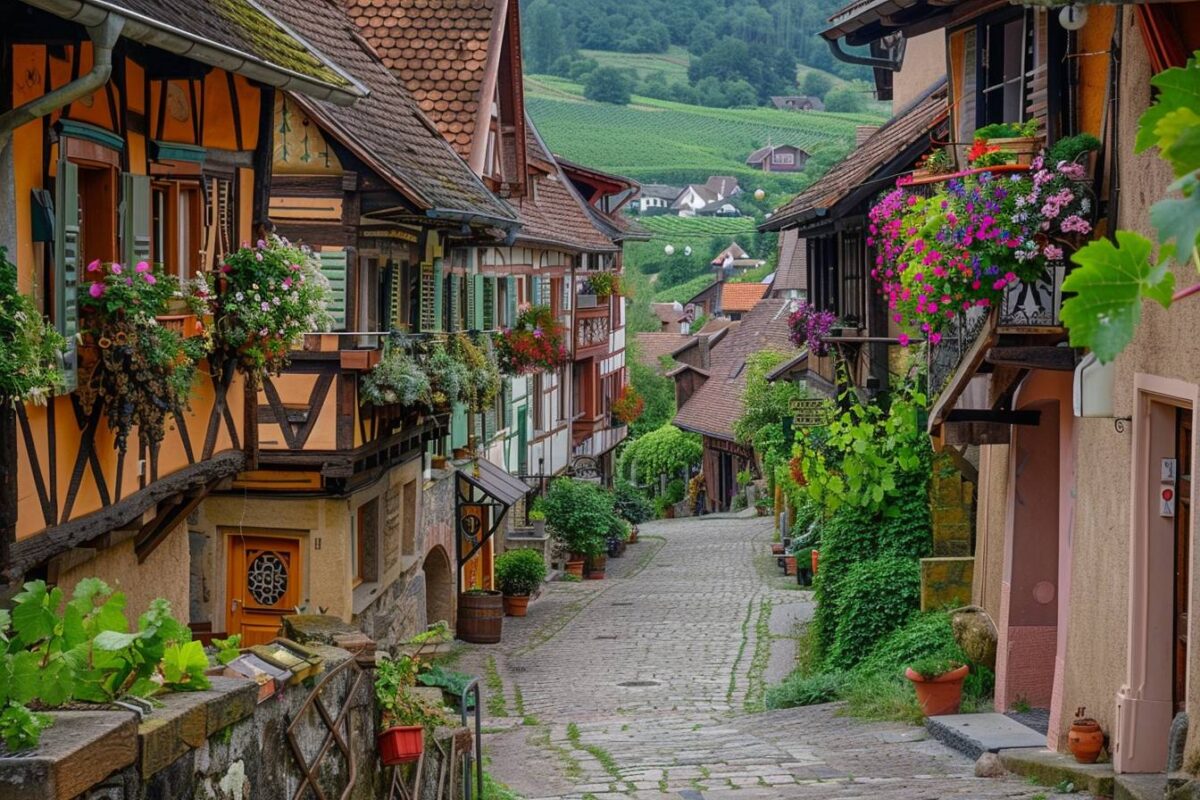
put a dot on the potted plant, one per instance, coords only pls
(811, 327)
(628, 407)
(519, 573)
(537, 518)
(762, 506)
(448, 378)
(938, 682)
(595, 565)
(587, 295)
(604, 284)
(482, 382)
(405, 717)
(1085, 739)
(580, 516)
(804, 572)
(30, 347)
(535, 343)
(789, 564)
(397, 379)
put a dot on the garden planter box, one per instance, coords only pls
(186, 325)
(789, 565)
(585, 301)
(401, 745)
(1024, 147)
(321, 342)
(361, 360)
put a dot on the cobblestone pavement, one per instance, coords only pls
(649, 684)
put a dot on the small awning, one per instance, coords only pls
(494, 482)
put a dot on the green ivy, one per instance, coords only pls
(878, 598)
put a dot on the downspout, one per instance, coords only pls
(104, 38)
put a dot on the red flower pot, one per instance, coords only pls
(401, 745)
(789, 565)
(815, 559)
(940, 695)
(516, 606)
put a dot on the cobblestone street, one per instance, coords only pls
(649, 684)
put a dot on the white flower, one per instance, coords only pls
(239, 297)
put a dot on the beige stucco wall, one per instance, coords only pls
(1167, 345)
(924, 63)
(163, 574)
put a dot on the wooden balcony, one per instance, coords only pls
(592, 329)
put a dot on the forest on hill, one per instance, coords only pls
(739, 52)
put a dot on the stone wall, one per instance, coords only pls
(946, 578)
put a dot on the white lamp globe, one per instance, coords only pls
(759, 194)
(1073, 17)
(687, 251)
(669, 249)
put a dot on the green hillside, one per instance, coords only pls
(687, 227)
(673, 64)
(661, 141)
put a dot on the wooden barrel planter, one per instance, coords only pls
(480, 617)
(594, 567)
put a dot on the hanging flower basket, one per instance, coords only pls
(537, 342)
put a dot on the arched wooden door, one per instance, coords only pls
(264, 584)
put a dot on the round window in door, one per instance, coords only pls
(267, 577)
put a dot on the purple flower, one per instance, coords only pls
(116, 268)
(94, 266)
(142, 266)
(96, 290)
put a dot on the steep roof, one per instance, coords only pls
(668, 312)
(734, 250)
(741, 297)
(717, 404)
(760, 155)
(792, 273)
(661, 191)
(439, 50)
(723, 185)
(787, 101)
(652, 346)
(233, 34)
(858, 171)
(703, 192)
(385, 129)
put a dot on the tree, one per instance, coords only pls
(844, 100)
(739, 93)
(544, 39)
(607, 85)
(816, 84)
(659, 394)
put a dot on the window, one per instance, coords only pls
(1005, 65)
(364, 543)
(177, 238)
(853, 269)
(783, 158)
(97, 213)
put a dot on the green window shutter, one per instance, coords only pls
(333, 267)
(428, 298)
(66, 264)
(452, 322)
(438, 288)
(489, 304)
(489, 423)
(458, 426)
(135, 229)
(511, 415)
(511, 309)
(478, 302)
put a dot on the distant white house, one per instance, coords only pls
(709, 198)
(656, 199)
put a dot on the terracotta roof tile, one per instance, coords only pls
(717, 404)
(439, 49)
(652, 346)
(792, 274)
(741, 297)
(857, 169)
(386, 128)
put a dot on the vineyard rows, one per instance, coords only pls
(692, 226)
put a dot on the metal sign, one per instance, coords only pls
(809, 413)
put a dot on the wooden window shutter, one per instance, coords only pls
(135, 230)
(428, 296)
(511, 309)
(472, 288)
(66, 265)
(333, 267)
(454, 322)
(439, 287)
(510, 417)
(391, 282)
(489, 304)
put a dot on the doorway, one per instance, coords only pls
(1183, 551)
(264, 583)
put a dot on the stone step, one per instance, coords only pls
(1050, 768)
(976, 734)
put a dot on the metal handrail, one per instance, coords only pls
(477, 753)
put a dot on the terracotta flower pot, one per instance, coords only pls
(402, 744)
(516, 605)
(940, 695)
(575, 566)
(1085, 740)
(594, 567)
(815, 558)
(633, 534)
(789, 565)
(777, 548)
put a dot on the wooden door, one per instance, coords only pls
(1183, 535)
(264, 584)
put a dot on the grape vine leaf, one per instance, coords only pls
(1177, 90)
(1111, 281)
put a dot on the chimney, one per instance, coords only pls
(862, 133)
(704, 352)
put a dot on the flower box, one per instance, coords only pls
(1023, 147)
(361, 360)
(186, 325)
(585, 301)
(321, 342)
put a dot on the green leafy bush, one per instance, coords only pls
(1070, 148)
(811, 690)
(922, 635)
(520, 572)
(675, 492)
(630, 503)
(399, 706)
(666, 451)
(29, 346)
(580, 515)
(398, 379)
(877, 597)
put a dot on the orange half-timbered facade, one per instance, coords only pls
(113, 147)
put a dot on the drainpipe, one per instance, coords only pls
(104, 37)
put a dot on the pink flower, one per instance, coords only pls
(1053, 252)
(266, 306)
(94, 266)
(903, 339)
(935, 338)
(96, 290)
(142, 266)
(150, 279)
(116, 268)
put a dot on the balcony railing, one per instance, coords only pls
(1027, 307)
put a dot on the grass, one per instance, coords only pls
(497, 705)
(572, 769)
(684, 291)
(602, 756)
(673, 64)
(669, 225)
(733, 673)
(662, 141)
(755, 685)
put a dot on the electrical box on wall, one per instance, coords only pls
(1093, 391)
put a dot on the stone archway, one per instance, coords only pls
(439, 587)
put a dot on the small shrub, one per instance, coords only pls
(878, 597)
(579, 514)
(520, 572)
(923, 635)
(630, 503)
(675, 491)
(825, 687)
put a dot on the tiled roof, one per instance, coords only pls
(734, 250)
(741, 297)
(792, 273)
(231, 30)
(439, 50)
(385, 129)
(703, 192)
(651, 347)
(667, 312)
(858, 169)
(723, 185)
(717, 404)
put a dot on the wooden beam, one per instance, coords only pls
(37, 549)
(156, 531)
(988, 415)
(1059, 359)
(962, 433)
